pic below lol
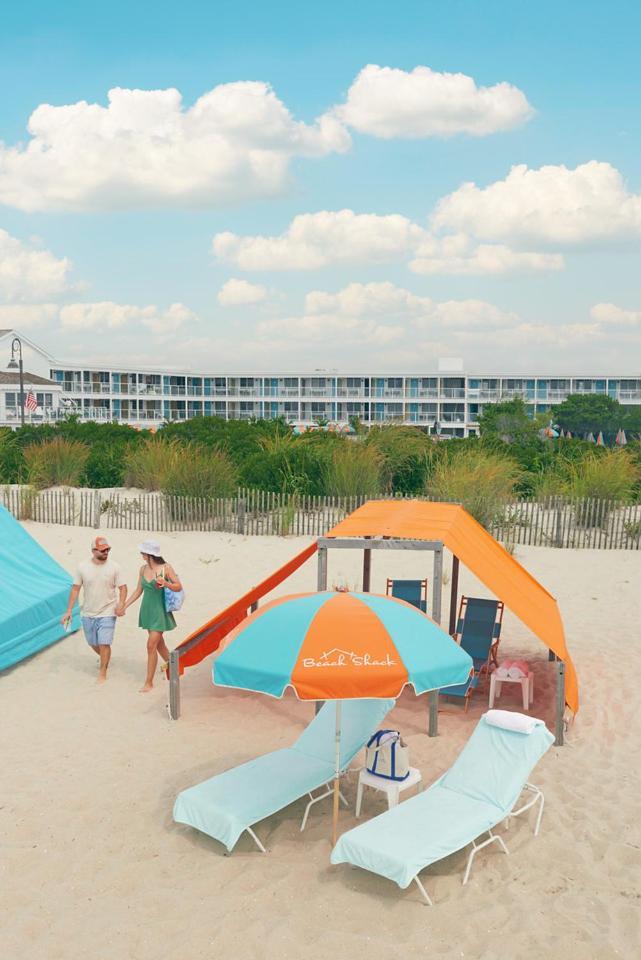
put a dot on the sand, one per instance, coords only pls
(93, 866)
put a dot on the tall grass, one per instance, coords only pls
(54, 462)
(200, 472)
(147, 465)
(599, 480)
(354, 468)
(404, 456)
(482, 481)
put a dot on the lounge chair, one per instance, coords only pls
(412, 591)
(478, 792)
(232, 802)
(478, 631)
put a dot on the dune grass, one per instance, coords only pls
(56, 462)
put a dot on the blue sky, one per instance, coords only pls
(109, 225)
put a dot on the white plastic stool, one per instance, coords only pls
(392, 788)
(527, 688)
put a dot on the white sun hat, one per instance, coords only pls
(152, 547)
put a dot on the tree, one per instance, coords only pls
(509, 420)
(589, 413)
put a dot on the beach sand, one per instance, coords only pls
(93, 866)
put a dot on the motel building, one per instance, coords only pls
(447, 400)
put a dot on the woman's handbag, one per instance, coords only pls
(388, 756)
(173, 599)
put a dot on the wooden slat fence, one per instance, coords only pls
(553, 522)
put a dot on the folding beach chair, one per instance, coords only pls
(412, 591)
(478, 792)
(231, 802)
(478, 631)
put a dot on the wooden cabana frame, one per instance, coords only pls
(390, 542)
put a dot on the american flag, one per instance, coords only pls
(31, 403)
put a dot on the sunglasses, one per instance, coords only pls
(101, 549)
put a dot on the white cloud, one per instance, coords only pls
(107, 315)
(458, 254)
(378, 314)
(609, 314)
(23, 316)
(27, 273)
(144, 149)
(237, 292)
(552, 205)
(314, 240)
(387, 102)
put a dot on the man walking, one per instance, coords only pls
(99, 578)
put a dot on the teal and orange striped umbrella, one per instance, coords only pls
(330, 646)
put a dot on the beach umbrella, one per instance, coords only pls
(340, 646)
(621, 439)
(599, 440)
(590, 437)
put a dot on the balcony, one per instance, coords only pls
(390, 393)
(350, 392)
(425, 393)
(175, 391)
(629, 394)
(96, 388)
(452, 393)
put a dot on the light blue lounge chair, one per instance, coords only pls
(232, 802)
(479, 791)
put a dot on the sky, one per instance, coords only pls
(362, 186)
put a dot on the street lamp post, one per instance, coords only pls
(16, 348)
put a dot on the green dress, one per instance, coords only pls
(153, 615)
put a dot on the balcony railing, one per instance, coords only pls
(452, 392)
(427, 393)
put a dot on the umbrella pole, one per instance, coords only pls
(337, 773)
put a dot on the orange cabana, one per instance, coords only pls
(452, 526)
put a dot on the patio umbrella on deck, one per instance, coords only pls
(340, 646)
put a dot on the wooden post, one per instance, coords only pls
(560, 703)
(240, 516)
(367, 570)
(96, 509)
(321, 583)
(174, 685)
(432, 730)
(437, 583)
(454, 596)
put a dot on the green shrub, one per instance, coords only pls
(57, 461)
(354, 468)
(483, 482)
(198, 472)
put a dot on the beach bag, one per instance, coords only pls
(174, 599)
(388, 756)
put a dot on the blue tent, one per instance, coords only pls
(33, 596)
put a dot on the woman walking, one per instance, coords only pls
(154, 576)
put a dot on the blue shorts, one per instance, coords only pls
(99, 631)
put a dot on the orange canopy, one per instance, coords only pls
(481, 553)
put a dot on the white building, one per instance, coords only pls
(147, 396)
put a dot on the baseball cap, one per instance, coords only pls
(152, 547)
(100, 543)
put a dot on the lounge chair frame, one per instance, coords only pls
(495, 838)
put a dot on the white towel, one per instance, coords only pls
(507, 720)
(515, 672)
(501, 672)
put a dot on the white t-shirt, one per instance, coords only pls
(99, 582)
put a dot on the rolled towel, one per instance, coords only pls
(501, 672)
(518, 722)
